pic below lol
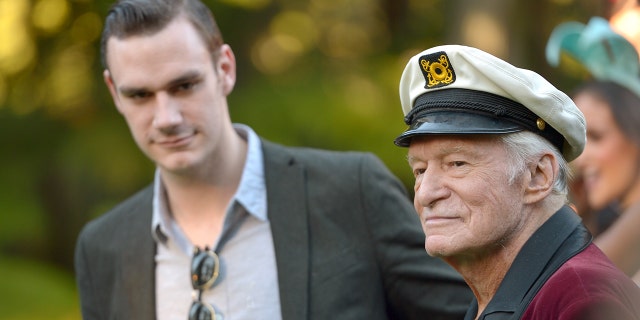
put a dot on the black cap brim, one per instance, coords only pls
(453, 123)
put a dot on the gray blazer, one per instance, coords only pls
(348, 245)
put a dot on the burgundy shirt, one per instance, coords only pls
(560, 275)
(587, 286)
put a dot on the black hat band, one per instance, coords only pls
(485, 104)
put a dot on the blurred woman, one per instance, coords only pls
(610, 169)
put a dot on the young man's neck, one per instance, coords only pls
(198, 201)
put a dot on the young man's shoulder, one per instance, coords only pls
(311, 155)
(135, 210)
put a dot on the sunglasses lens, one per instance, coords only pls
(201, 311)
(204, 269)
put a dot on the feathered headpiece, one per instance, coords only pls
(607, 55)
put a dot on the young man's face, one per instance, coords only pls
(466, 203)
(172, 94)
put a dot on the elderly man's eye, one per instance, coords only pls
(458, 163)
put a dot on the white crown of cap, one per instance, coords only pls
(477, 70)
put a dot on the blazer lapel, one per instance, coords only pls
(139, 272)
(286, 207)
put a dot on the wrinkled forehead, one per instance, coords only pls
(427, 146)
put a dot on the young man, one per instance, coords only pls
(488, 145)
(235, 227)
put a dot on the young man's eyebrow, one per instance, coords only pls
(186, 77)
(129, 91)
(189, 76)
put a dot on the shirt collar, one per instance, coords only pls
(530, 263)
(251, 192)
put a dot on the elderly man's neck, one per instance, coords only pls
(484, 271)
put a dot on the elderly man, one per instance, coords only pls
(488, 146)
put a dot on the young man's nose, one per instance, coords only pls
(167, 112)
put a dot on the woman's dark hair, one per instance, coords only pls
(624, 105)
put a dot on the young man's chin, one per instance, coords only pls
(182, 163)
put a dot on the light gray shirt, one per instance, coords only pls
(248, 283)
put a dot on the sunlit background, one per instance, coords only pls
(320, 73)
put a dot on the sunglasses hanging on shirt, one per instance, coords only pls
(205, 266)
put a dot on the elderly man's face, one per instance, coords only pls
(467, 205)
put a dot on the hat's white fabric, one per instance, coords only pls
(454, 66)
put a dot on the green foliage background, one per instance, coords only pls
(320, 73)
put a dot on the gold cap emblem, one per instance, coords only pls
(437, 70)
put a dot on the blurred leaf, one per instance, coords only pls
(33, 290)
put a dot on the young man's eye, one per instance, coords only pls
(137, 95)
(186, 86)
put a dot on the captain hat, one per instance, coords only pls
(454, 89)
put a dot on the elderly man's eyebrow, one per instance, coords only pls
(444, 150)
(410, 159)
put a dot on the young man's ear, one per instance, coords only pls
(542, 176)
(108, 80)
(226, 67)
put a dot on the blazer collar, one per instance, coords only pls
(287, 211)
(138, 279)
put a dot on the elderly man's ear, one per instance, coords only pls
(541, 177)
